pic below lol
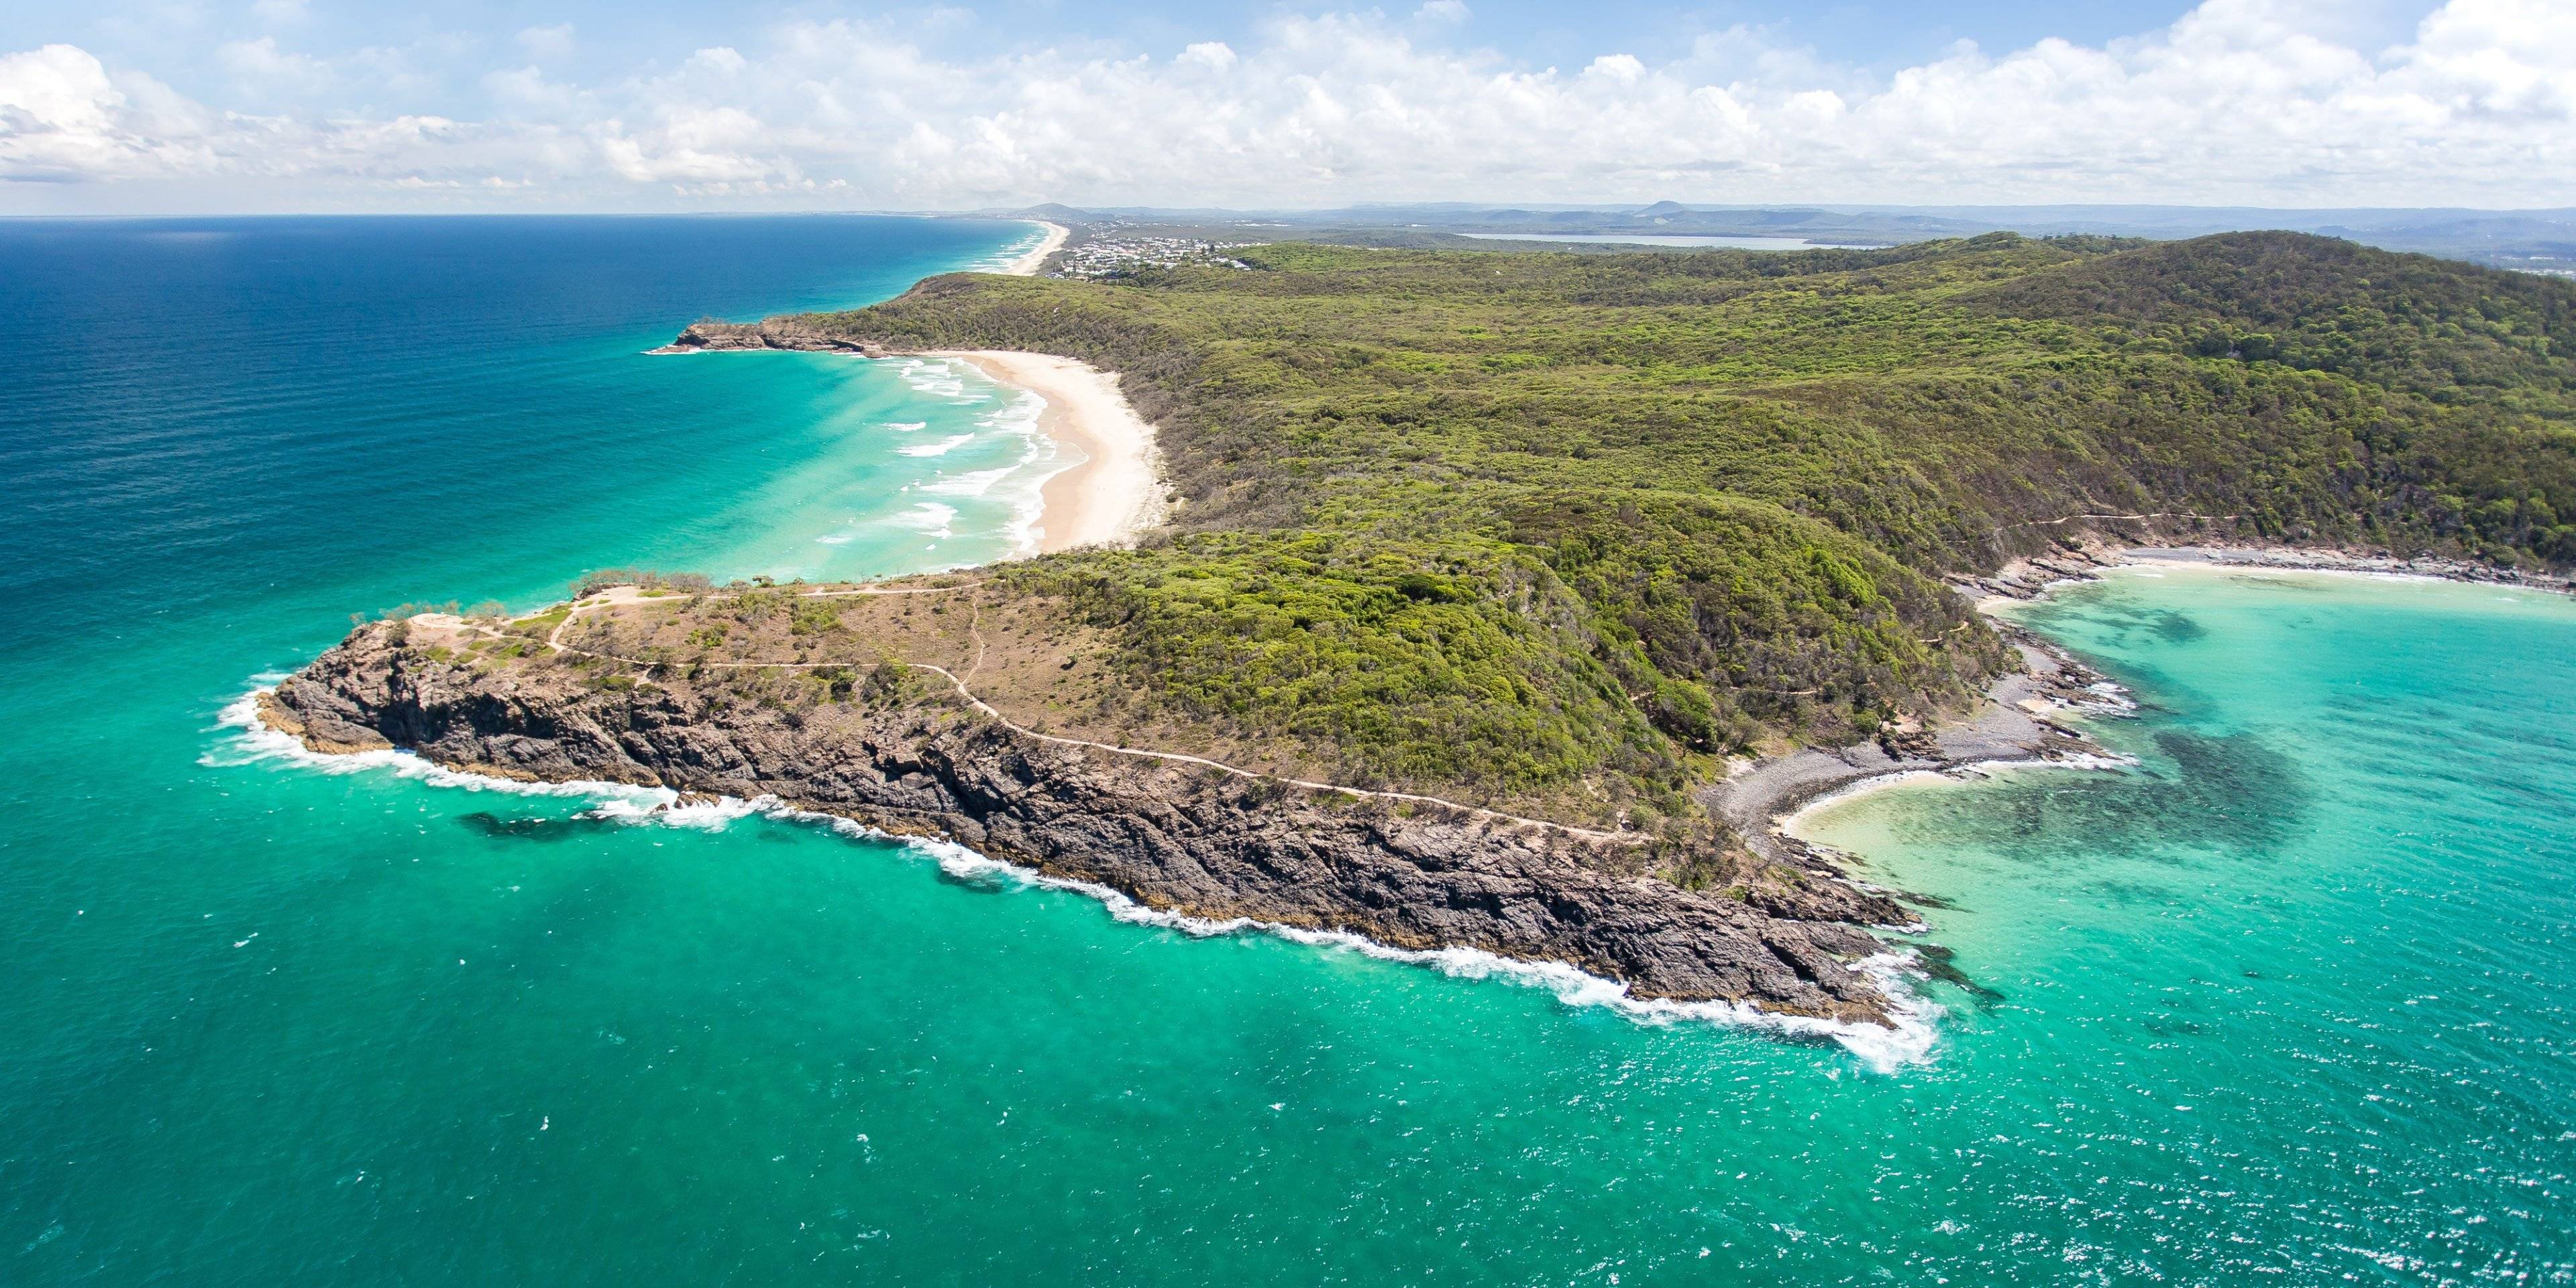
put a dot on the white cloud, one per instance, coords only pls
(1215, 55)
(1623, 68)
(64, 119)
(270, 71)
(2237, 101)
(1449, 11)
(548, 42)
(722, 59)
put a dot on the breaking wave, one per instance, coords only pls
(940, 448)
(1884, 1050)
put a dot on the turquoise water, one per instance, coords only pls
(2296, 992)
(2287, 1004)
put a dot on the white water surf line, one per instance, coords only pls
(1911, 1040)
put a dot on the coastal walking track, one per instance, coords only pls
(618, 596)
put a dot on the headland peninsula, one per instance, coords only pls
(1501, 600)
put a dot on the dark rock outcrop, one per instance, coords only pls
(707, 335)
(1172, 836)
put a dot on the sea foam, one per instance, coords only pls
(975, 484)
(940, 448)
(1883, 1049)
(256, 742)
(928, 516)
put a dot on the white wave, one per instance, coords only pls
(905, 426)
(1027, 508)
(1019, 417)
(834, 539)
(2077, 760)
(708, 816)
(941, 448)
(974, 484)
(938, 380)
(257, 743)
(1040, 459)
(1883, 1049)
(2113, 698)
(928, 516)
(1910, 1041)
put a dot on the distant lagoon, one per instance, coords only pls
(1678, 239)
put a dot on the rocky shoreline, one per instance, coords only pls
(2031, 577)
(707, 335)
(2018, 724)
(912, 760)
(919, 761)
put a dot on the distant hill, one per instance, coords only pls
(2540, 241)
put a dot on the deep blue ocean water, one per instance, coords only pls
(2288, 1002)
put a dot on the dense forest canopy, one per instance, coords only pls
(1565, 526)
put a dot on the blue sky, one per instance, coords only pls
(177, 105)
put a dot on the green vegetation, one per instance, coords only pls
(543, 624)
(1560, 528)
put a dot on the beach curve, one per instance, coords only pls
(1028, 265)
(1114, 492)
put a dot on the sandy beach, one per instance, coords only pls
(1115, 490)
(1029, 264)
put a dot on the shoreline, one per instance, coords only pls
(2021, 724)
(1028, 264)
(1115, 492)
(1905, 1039)
(1164, 835)
(1811, 779)
(2023, 580)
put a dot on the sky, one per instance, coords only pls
(218, 106)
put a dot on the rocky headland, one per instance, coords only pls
(707, 335)
(910, 757)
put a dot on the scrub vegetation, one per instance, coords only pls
(1565, 528)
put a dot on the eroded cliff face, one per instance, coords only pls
(708, 335)
(910, 759)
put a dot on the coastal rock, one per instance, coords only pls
(2009, 726)
(708, 335)
(1177, 837)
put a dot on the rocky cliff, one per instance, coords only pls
(707, 335)
(910, 758)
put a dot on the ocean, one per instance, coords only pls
(2287, 1001)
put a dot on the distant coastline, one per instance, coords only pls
(1028, 265)
(1108, 496)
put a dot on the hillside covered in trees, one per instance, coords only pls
(1563, 528)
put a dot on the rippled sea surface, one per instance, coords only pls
(2287, 1003)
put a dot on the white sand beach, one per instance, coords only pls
(1029, 264)
(1115, 491)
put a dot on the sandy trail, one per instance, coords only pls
(620, 595)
